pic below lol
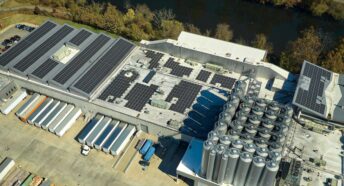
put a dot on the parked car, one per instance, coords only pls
(85, 150)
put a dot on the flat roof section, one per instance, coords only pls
(73, 66)
(310, 90)
(30, 59)
(25, 43)
(106, 64)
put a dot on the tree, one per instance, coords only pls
(171, 29)
(192, 28)
(262, 42)
(223, 32)
(307, 47)
(334, 60)
(113, 19)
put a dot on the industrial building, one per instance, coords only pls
(194, 88)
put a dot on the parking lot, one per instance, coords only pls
(59, 159)
(9, 32)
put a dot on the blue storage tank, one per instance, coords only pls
(149, 154)
(146, 146)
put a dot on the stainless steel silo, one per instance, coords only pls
(230, 109)
(275, 156)
(234, 134)
(207, 145)
(261, 142)
(248, 100)
(254, 120)
(251, 129)
(241, 116)
(270, 115)
(258, 111)
(211, 163)
(268, 176)
(247, 138)
(221, 128)
(255, 171)
(274, 106)
(225, 117)
(239, 144)
(242, 169)
(261, 103)
(234, 100)
(249, 147)
(245, 107)
(264, 133)
(268, 124)
(233, 159)
(262, 152)
(223, 166)
(220, 148)
(213, 136)
(225, 140)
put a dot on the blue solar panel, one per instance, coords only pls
(212, 97)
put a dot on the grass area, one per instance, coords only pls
(13, 4)
(14, 18)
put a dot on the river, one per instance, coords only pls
(246, 19)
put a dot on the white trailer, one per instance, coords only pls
(68, 122)
(51, 117)
(27, 104)
(122, 140)
(39, 110)
(46, 113)
(60, 118)
(9, 105)
(5, 167)
(87, 130)
(97, 131)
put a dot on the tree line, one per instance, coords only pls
(334, 8)
(140, 22)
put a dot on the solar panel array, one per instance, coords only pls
(186, 93)
(73, 66)
(139, 96)
(308, 98)
(45, 68)
(118, 86)
(226, 82)
(43, 48)
(155, 58)
(25, 43)
(203, 76)
(80, 37)
(149, 76)
(106, 64)
(177, 70)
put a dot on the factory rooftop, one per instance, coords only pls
(319, 93)
(181, 85)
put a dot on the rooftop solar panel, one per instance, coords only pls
(203, 76)
(139, 96)
(73, 66)
(186, 93)
(106, 64)
(177, 69)
(45, 68)
(25, 43)
(310, 91)
(80, 37)
(38, 52)
(118, 86)
(155, 58)
(226, 82)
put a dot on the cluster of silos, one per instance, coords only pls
(246, 144)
